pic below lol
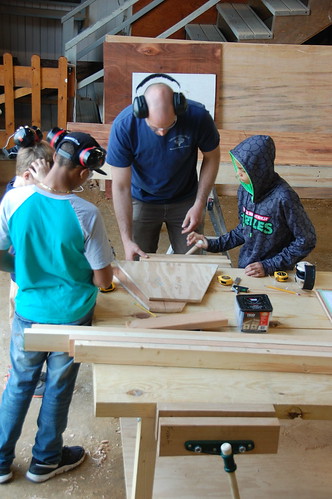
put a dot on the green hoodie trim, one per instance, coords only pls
(248, 187)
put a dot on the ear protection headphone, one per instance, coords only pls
(140, 107)
(88, 157)
(26, 136)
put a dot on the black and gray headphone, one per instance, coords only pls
(27, 136)
(140, 107)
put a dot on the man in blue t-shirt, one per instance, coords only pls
(153, 150)
(62, 255)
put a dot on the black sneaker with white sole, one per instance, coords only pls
(5, 474)
(71, 457)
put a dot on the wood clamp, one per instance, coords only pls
(214, 446)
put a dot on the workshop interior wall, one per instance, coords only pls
(259, 86)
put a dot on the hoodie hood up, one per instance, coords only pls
(257, 154)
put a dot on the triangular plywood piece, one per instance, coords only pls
(152, 306)
(170, 281)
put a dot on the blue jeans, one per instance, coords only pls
(24, 375)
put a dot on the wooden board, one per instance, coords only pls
(258, 475)
(221, 260)
(281, 358)
(200, 320)
(174, 432)
(135, 291)
(171, 281)
(127, 57)
(256, 83)
(304, 160)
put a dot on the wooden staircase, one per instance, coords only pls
(266, 21)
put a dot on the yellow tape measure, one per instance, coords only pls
(280, 276)
(225, 280)
(110, 288)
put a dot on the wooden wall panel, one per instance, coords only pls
(126, 56)
(276, 87)
(281, 88)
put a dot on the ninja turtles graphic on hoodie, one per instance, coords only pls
(274, 228)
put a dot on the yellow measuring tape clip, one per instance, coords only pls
(280, 276)
(225, 280)
(110, 288)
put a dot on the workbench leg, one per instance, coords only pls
(145, 459)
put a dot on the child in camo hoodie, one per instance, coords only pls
(274, 228)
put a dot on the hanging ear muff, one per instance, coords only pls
(26, 136)
(140, 107)
(38, 132)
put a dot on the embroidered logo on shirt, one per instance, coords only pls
(179, 142)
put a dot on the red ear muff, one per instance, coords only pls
(55, 136)
(92, 157)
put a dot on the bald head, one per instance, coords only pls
(159, 98)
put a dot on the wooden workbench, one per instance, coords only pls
(146, 391)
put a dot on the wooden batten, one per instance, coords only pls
(201, 320)
(173, 355)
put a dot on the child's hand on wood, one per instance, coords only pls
(197, 239)
(255, 269)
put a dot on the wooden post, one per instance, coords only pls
(62, 92)
(35, 91)
(9, 93)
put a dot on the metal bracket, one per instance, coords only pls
(213, 446)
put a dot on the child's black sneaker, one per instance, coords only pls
(71, 457)
(5, 474)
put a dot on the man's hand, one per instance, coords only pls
(39, 169)
(132, 250)
(192, 219)
(255, 269)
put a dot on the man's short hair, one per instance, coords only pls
(27, 155)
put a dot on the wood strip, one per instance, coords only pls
(260, 359)
(36, 90)
(56, 337)
(201, 320)
(221, 260)
(167, 410)
(9, 93)
(174, 432)
(62, 91)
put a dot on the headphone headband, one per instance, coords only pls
(156, 75)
